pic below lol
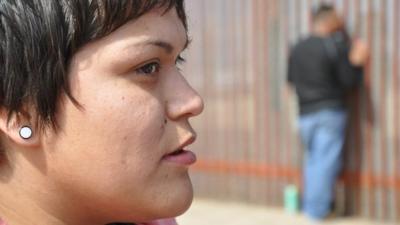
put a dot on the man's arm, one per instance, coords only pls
(351, 63)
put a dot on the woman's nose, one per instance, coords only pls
(184, 102)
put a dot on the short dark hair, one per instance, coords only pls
(322, 11)
(38, 38)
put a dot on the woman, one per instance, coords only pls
(94, 112)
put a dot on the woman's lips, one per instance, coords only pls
(181, 157)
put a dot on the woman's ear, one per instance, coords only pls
(19, 129)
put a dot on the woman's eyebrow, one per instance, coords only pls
(168, 47)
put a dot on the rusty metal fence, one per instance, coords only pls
(248, 147)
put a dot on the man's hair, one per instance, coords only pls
(38, 38)
(322, 11)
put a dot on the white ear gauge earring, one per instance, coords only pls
(25, 132)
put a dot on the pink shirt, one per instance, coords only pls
(170, 221)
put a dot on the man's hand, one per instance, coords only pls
(359, 53)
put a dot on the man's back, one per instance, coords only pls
(321, 72)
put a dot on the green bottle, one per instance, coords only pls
(291, 199)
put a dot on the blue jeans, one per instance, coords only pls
(323, 135)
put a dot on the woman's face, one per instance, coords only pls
(113, 155)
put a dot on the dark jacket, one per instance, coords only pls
(320, 71)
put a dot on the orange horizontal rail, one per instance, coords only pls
(263, 170)
(246, 168)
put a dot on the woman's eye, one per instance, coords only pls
(180, 60)
(149, 69)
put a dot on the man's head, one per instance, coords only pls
(326, 20)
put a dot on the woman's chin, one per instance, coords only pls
(180, 201)
(185, 204)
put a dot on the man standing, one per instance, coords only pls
(322, 69)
